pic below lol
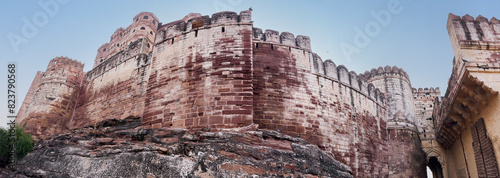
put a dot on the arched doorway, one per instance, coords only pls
(435, 166)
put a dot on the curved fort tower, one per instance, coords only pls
(50, 106)
(219, 71)
(406, 156)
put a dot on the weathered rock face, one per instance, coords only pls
(121, 148)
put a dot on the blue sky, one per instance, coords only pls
(415, 37)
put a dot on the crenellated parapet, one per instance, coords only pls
(469, 33)
(63, 70)
(195, 22)
(285, 38)
(421, 92)
(347, 78)
(386, 71)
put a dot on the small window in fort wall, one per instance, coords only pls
(146, 17)
(104, 50)
(150, 32)
(272, 47)
(142, 28)
(257, 45)
(154, 22)
(196, 33)
(137, 19)
(223, 29)
(172, 40)
(100, 60)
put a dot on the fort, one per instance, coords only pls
(220, 72)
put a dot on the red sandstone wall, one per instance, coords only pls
(29, 97)
(295, 92)
(406, 158)
(53, 102)
(202, 78)
(116, 88)
(219, 72)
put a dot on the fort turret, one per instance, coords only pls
(52, 104)
(403, 141)
(144, 25)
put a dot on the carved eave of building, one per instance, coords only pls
(471, 95)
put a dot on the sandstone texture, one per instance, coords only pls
(218, 72)
(121, 148)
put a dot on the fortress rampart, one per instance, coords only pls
(53, 102)
(297, 93)
(205, 73)
(403, 138)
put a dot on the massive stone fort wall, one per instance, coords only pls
(216, 72)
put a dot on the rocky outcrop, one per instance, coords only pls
(122, 148)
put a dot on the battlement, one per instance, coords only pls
(426, 91)
(469, 33)
(285, 38)
(194, 22)
(345, 77)
(385, 71)
(61, 61)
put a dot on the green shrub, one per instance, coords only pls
(24, 144)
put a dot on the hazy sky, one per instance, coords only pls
(413, 38)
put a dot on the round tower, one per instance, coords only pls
(52, 105)
(407, 158)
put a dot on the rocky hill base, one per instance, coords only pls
(121, 148)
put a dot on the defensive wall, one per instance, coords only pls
(53, 102)
(299, 94)
(217, 72)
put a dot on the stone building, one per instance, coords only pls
(219, 71)
(466, 118)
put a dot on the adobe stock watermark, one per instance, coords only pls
(39, 19)
(226, 5)
(363, 37)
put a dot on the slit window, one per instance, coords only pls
(257, 45)
(223, 29)
(272, 47)
(196, 33)
(172, 40)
